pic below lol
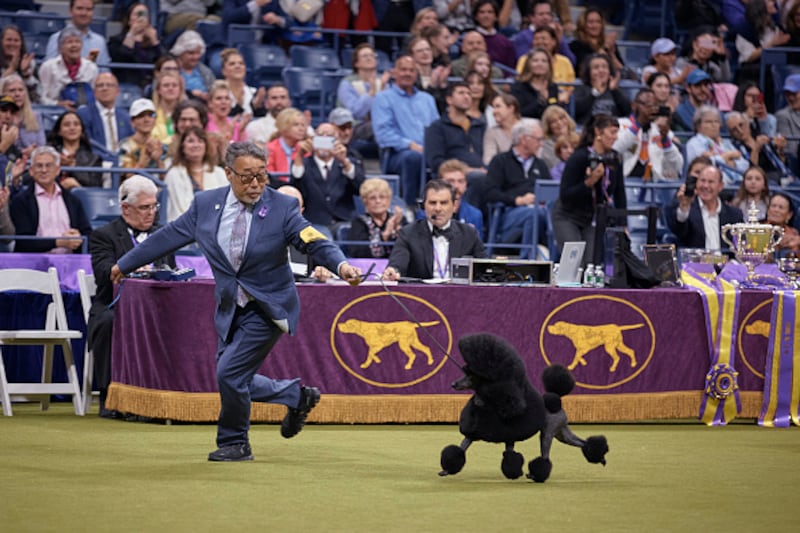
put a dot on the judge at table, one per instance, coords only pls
(244, 230)
(423, 249)
(139, 205)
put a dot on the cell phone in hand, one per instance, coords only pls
(691, 184)
(323, 142)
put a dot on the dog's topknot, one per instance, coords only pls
(491, 358)
(557, 379)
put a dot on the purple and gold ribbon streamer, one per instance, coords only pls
(782, 372)
(721, 307)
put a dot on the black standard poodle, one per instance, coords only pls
(505, 408)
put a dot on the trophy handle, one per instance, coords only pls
(777, 235)
(724, 234)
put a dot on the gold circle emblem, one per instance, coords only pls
(581, 344)
(366, 337)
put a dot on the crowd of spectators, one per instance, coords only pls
(503, 87)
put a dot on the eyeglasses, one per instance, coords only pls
(348, 126)
(147, 114)
(45, 166)
(246, 179)
(144, 209)
(105, 85)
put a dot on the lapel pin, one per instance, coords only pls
(216, 207)
(262, 212)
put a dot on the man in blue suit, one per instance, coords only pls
(244, 230)
(106, 124)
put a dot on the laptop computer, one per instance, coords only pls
(570, 264)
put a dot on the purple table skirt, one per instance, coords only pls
(164, 337)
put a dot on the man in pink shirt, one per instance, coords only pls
(46, 210)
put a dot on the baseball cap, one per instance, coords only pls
(340, 116)
(792, 84)
(662, 45)
(696, 76)
(7, 101)
(140, 106)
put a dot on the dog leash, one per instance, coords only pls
(411, 315)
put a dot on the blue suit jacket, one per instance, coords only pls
(93, 122)
(264, 273)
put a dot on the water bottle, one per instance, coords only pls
(588, 276)
(600, 276)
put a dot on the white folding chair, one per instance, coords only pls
(56, 332)
(88, 288)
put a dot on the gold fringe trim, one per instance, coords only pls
(412, 408)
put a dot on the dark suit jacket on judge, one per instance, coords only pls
(412, 254)
(264, 273)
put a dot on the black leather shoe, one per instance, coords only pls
(234, 452)
(295, 418)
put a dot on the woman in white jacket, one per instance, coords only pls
(193, 169)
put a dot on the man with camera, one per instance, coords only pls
(327, 179)
(698, 213)
(645, 141)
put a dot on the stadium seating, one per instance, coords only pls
(265, 63)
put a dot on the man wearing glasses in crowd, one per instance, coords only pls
(244, 231)
(139, 206)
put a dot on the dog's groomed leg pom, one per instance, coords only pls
(539, 469)
(453, 460)
(512, 464)
(595, 449)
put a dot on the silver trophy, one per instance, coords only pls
(791, 267)
(752, 242)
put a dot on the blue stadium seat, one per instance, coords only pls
(43, 24)
(313, 90)
(316, 58)
(36, 44)
(265, 63)
(128, 92)
(49, 114)
(101, 205)
(213, 33)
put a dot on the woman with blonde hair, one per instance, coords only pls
(193, 169)
(291, 129)
(167, 92)
(377, 224)
(534, 88)
(219, 107)
(591, 38)
(31, 131)
(556, 123)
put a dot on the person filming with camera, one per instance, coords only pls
(592, 177)
(698, 213)
(645, 141)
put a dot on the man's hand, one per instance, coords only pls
(350, 274)
(684, 201)
(8, 136)
(391, 274)
(5, 194)
(416, 147)
(116, 274)
(70, 244)
(322, 274)
(526, 199)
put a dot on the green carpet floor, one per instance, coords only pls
(64, 473)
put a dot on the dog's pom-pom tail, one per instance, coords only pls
(557, 379)
(539, 469)
(512, 464)
(595, 449)
(452, 460)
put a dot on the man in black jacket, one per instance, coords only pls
(690, 216)
(137, 200)
(511, 179)
(423, 249)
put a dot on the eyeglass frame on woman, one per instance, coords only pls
(246, 179)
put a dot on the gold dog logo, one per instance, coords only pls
(380, 335)
(384, 351)
(570, 332)
(587, 338)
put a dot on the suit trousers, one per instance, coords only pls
(252, 336)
